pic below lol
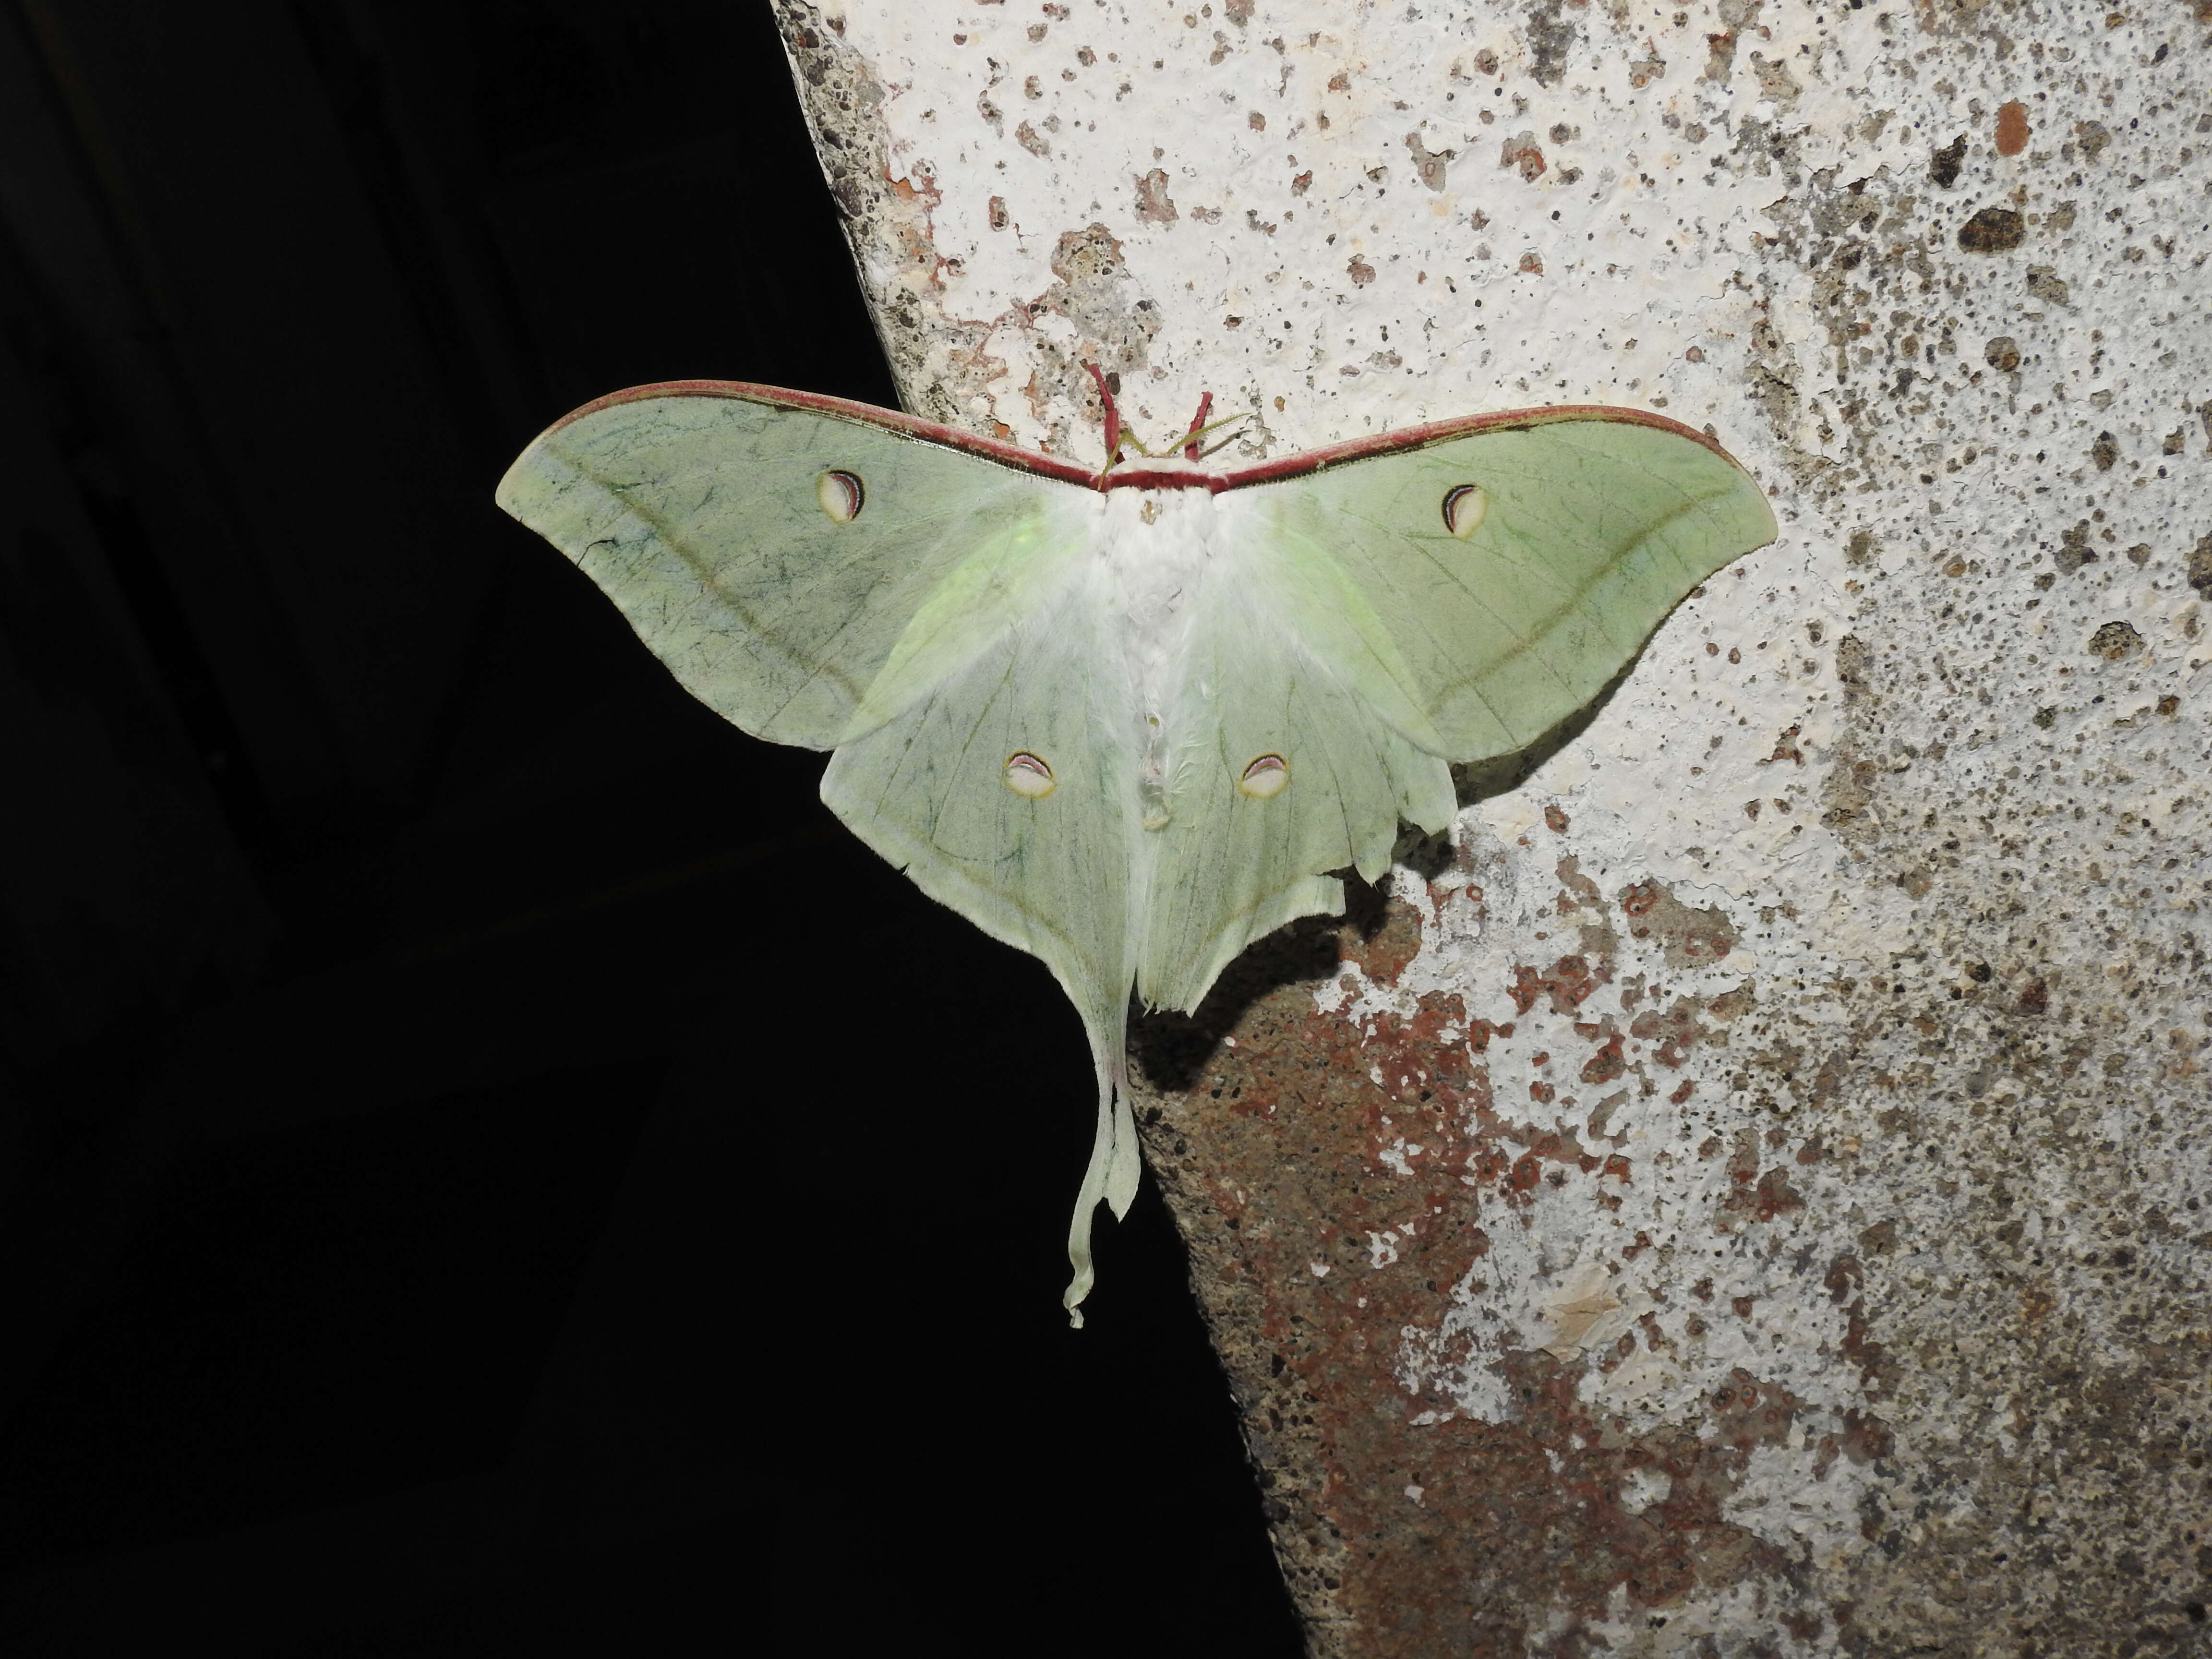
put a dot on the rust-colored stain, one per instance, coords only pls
(918, 248)
(1561, 1495)
(1567, 983)
(2012, 128)
(1379, 940)
(1673, 1032)
(1759, 1194)
(1364, 1166)
(1154, 205)
(1522, 153)
(1691, 937)
(1606, 1063)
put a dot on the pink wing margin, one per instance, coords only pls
(1140, 476)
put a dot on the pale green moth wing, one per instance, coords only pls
(1290, 772)
(803, 573)
(1128, 751)
(1587, 528)
(1005, 792)
(827, 575)
(1368, 621)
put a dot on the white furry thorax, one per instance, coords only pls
(1157, 549)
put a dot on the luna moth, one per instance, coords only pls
(1129, 718)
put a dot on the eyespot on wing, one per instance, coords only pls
(1464, 509)
(842, 495)
(1266, 777)
(1029, 776)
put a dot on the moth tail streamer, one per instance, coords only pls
(1111, 1175)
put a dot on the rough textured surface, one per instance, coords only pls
(1745, 1194)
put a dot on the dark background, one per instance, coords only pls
(486, 1163)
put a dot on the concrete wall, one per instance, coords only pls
(1745, 1194)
